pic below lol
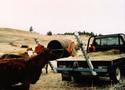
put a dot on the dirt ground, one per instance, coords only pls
(52, 81)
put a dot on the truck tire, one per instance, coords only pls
(115, 74)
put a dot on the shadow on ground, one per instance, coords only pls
(13, 88)
(92, 83)
(87, 83)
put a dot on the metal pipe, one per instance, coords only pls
(85, 54)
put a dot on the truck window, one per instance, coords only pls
(97, 42)
(110, 41)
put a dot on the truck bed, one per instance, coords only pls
(96, 56)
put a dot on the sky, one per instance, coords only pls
(59, 16)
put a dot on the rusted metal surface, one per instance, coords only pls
(62, 48)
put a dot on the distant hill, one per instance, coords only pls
(16, 32)
(12, 30)
(14, 35)
(12, 39)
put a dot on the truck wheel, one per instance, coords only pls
(66, 76)
(115, 74)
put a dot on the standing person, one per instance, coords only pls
(38, 49)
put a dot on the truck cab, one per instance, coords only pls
(106, 42)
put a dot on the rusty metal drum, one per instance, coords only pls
(62, 48)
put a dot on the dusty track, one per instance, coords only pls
(52, 81)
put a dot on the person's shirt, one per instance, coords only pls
(39, 48)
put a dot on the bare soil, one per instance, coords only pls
(53, 81)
